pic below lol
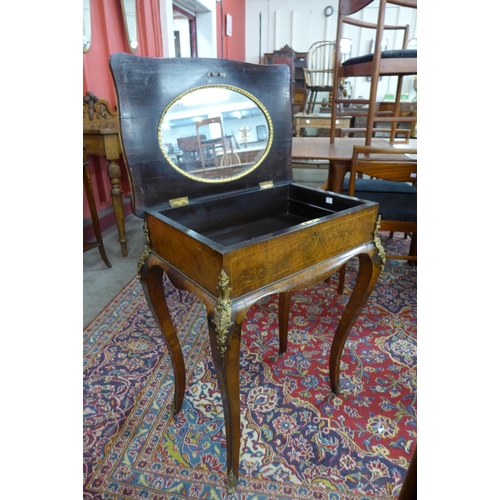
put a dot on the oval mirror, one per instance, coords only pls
(130, 18)
(215, 133)
(87, 31)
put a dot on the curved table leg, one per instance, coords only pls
(152, 284)
(369, 270)
(225, 340)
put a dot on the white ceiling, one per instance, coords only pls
(192, 6)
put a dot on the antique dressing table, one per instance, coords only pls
(232, 235)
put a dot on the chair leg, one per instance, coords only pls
(413, 248)
(394, 124)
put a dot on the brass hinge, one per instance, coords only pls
(266, 184)
(178, 202)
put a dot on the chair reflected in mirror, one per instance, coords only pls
(189, 158)
(229, 159)
(212, 140)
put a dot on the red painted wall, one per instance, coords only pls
(234, 45)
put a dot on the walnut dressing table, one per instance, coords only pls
(101, 137)
(238, 236)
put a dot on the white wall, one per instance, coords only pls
(167, 28)
(271, 24)
(182, 27)
(206, 29)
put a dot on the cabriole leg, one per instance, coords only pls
(369, 270)
(152, 284)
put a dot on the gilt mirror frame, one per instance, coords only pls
(251, 168)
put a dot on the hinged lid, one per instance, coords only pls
(197, 127)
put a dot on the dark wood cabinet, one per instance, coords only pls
(296, 61)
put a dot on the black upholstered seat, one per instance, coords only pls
(386, 54)
(397, 200)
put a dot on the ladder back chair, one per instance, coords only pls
(398, 62)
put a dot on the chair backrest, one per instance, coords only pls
(320, 62)
(348, 7)
(383, 163)
(188, 144)
(229, 159)
(211, 121)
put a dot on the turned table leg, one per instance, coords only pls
(152, 284)
(369, 270)
(117, 198)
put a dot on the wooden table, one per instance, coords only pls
(102, 138)
(339, 154)
(321, 120)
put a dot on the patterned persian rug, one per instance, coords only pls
(299, 441)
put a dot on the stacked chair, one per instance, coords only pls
(399, 62)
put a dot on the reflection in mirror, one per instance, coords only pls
(130, 18)
(215, 133)
(87, 32)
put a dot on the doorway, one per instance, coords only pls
(184, 33)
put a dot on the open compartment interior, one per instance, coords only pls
(239, 217)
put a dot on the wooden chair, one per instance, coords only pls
(398, 62)
(318, 73)
(210, 145)
(229, 159)
(391, 182)
(190, 149)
